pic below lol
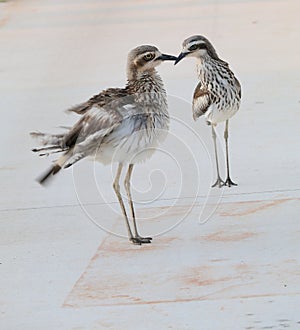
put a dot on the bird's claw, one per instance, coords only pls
(219, 183)
(229, 182)
(138, 240)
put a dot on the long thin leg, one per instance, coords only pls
(137, 238)
(219, 182)
(228, 181)
(116, 186)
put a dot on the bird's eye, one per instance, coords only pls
(193, 47)
(149, 57)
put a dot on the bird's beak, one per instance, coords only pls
(165, 57)
(180, 57)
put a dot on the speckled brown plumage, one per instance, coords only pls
(119, 124)
(218, 93)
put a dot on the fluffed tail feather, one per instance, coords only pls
(46, 139)
(79, 108)
(55, 168)
(42, 179)
(46, 151)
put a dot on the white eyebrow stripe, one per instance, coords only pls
(197, 42)
(146, 53)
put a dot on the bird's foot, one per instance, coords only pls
(138, 240)
(219, 183)
(229, 182)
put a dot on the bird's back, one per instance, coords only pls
(102, 99)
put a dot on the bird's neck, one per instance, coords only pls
(148, 89)
(146, 81)
(204, 66)
(133, 74)
(207, 66)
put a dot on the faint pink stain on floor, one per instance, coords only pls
(222, 236)
(203, 276)
(247, 208)
(108, 279)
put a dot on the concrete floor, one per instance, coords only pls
(220, 258)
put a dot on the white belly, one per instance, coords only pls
(132, 149)
(217, 115)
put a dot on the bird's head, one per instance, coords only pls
(145, 58)
(197, 46)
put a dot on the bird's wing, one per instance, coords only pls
(201, 101)
(238, 87)
(100, 120)
(101, 99)
(100, 116)
(82, 139)
(94, 124)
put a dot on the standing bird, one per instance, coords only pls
(119, 124)
(217, 95)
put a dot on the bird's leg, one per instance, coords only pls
(116, 186)
(219, 182)
(137, 239)
(228, 181)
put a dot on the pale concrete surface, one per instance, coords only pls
(220, 259)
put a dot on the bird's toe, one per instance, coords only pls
(229, 182)
(138, 240)
(219, 183)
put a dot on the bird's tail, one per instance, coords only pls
(51, 143)
(55, 168)
(46, 139)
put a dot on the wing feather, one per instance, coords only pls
(97, 122)
(201, 101)
(102, 99)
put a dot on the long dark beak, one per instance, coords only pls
(165, 57)
(180, 57)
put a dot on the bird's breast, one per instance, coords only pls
(224, 93)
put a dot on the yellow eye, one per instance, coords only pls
(149, 57)
(193, 47)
